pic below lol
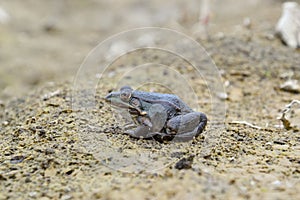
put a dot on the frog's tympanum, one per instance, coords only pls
(163, 116)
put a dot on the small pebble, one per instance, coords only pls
(185, 163)
(17, 159)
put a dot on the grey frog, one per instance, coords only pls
(163, 116)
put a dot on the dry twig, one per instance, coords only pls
(246, 123)
(286, 123)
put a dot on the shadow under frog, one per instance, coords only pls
(158, 116)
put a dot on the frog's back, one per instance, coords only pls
(174, 99)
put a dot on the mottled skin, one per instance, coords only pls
(158, 115)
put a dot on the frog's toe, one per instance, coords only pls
(131, 133)
(140, 132)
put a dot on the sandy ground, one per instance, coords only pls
(52, 151)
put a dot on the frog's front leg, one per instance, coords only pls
(187, 126)
(150, 125)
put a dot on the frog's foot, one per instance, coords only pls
(188, 126)
(202, 124)
(141, 132)
(129, 125)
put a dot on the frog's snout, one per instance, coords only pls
(108, 97)
(113, 96)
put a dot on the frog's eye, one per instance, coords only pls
(125, 95)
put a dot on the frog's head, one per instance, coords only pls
(122, 98)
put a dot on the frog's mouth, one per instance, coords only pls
(114, 99)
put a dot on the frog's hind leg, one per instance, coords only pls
(202, 124)
(158, 116)
(187, 126)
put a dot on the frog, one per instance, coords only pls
(158, 115)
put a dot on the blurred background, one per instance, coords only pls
(46, 41)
